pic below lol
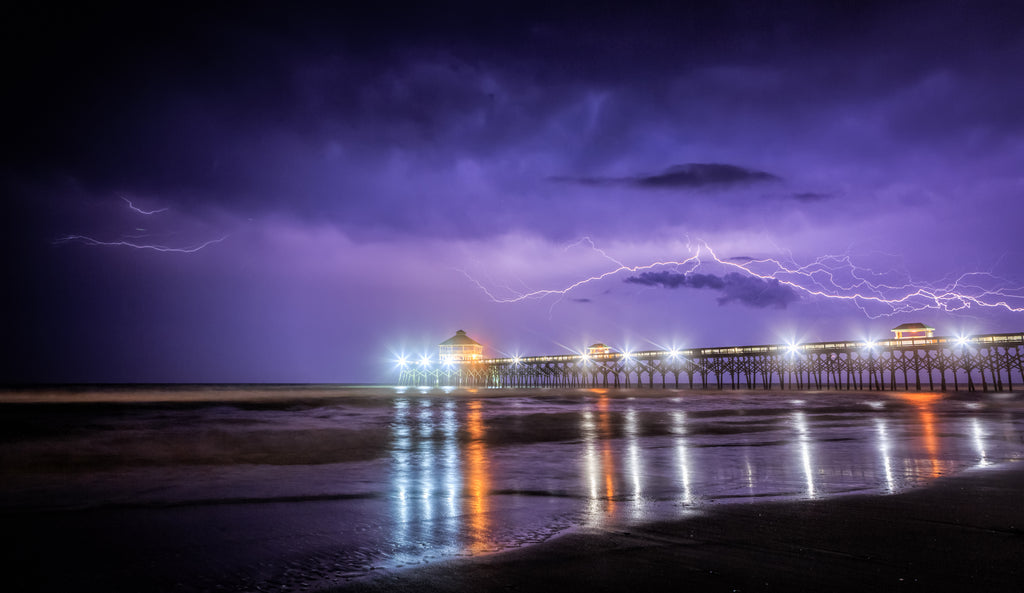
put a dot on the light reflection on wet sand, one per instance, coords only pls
(463, 473)
(478, 481)
(629, 472)
(804, 444)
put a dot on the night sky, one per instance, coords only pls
(298, 195)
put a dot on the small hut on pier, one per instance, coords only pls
(460, 348)
(913, 330)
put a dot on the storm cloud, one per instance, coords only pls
(324, 154)
(734, 287)
(688, 176)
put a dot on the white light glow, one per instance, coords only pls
(805, 451)
(979, 442)
(883, 449)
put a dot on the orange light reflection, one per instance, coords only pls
(923, 403)
(478, 480)
(607, 455)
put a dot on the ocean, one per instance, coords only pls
(282, 487)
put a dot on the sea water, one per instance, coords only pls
(244, 488)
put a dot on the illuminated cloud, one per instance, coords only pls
(734, 287)
(368, 165)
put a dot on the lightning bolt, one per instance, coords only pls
(129, 240)
(140, 210)
(593, 246)
(91, 241)
(834, 277)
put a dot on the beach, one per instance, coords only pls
(321, 488)
(963, 533)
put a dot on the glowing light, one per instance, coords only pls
(962, 341)
(516, 360)
(674, 353)
(834, 277)
(402, 360)
(792, 349)
(424, 360)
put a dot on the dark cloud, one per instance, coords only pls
(307, 110)
(291, 125)
(747, 290)
(695, 175)
(582, 300)
(688, 176)
(811, 196)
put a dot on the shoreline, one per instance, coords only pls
(962, 532)
(215, 393)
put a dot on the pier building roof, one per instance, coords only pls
(460, 348)
(460, 339)
(913, 330)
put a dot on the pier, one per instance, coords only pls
(982, 362)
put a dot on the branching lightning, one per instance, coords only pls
(133, 240)
(834, 277)
(140, 210)
(90, 241)
(593, 246)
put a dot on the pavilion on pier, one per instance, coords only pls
(460, 348)
(913, 330)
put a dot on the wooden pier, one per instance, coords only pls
(986, 362)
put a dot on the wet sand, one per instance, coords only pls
(963, 533)
(252, 488)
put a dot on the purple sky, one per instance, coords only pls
(338, 187)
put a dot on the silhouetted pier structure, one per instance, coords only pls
(986, 362)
